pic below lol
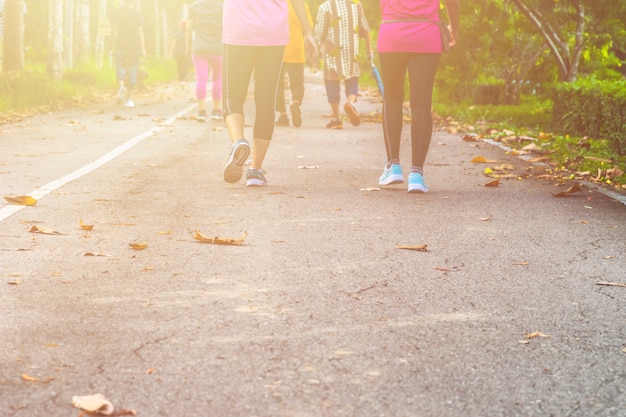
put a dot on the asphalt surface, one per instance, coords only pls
(318, 312)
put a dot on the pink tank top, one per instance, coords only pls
(399, 34)
(255, 22)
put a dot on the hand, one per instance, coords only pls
(311, 43)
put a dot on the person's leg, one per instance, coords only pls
(238, 61)
(352, 91)
(215, 62)
(333, 94)
(267, 70)
(393, 68)
(121, 70)
(422, 69)
(201, 66)
(283, 119)
(133, 67)
(296, 85)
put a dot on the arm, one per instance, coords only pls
(454, 16)
(307, 31)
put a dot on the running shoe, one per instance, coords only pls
(283, 120)
(217, 114)
(391, 175)
(201, 116)
(238, 155)
(255, 178)
(355, 117)
(130, 103)
(334, 124)
(296, 114)
(416, 183)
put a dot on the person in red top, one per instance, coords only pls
(410, 40)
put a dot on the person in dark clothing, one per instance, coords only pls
(178, 52)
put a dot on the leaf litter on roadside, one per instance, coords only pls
(85, 226)
(219, 240)
(44, 230)
(570, 191)
(418, 248)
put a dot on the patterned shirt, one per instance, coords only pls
(338, 25)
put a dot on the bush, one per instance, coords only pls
(592, 108)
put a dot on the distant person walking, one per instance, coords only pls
(254, 35)
(293, 65)
(128, 39)
(410, 40)
(204, 44)
(338, 27)
(178, 51)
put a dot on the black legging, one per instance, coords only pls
(239, 63)
(422, 69)
(295, 71)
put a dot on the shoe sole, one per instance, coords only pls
(296, 116)
(335, 127)
(201, 119)
(253, 182)
(392, 179)
(355, 118)
(417, 189)
(234, 167)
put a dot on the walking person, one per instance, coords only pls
(410, 40)
(128, 39)
(254, 36)
(293, 65)
(339, 25)
(204, 45)
(178, 51)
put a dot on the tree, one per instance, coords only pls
(13, 43)
(82, 38)
(55, 39)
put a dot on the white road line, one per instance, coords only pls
(39, 193)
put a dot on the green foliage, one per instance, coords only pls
(593, 108)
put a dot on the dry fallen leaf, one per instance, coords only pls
(492, 183)
(21, 200)
(479, 159)
(469, 138)
(307, 167)
(199, 236)
(43, 230)
(419, 248)
(93, 404)
(485, 219)
(85, 226)
(535, 334)
(611, 284)
(370, 189)
(138, 246)
(16, 282)
(29, 378)
(571, 190)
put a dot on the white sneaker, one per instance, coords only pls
(130, 103)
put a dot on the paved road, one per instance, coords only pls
(318, 313)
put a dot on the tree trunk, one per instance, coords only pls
(13, 41)
(82, 38)
(55, 39)
(104, 30)
(567, 61)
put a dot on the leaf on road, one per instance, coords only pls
(611, 284)
(43, 230)
(418, 248)
(481, 160)
(29, 378)
(571, 190)
(469, 138)
(493, 183)
(15, 282)
(138, 245)
(535, 334)
(520, 263)
(218, 240)
(93, 404)
(308, 167)
(85, 226)
(21, 200)
(95, 254)
(370, 189)
(485, 219)
(165, 232)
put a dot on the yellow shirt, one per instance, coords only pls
(294, 51)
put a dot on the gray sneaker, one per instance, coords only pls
(255, 178)
(238, 155)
